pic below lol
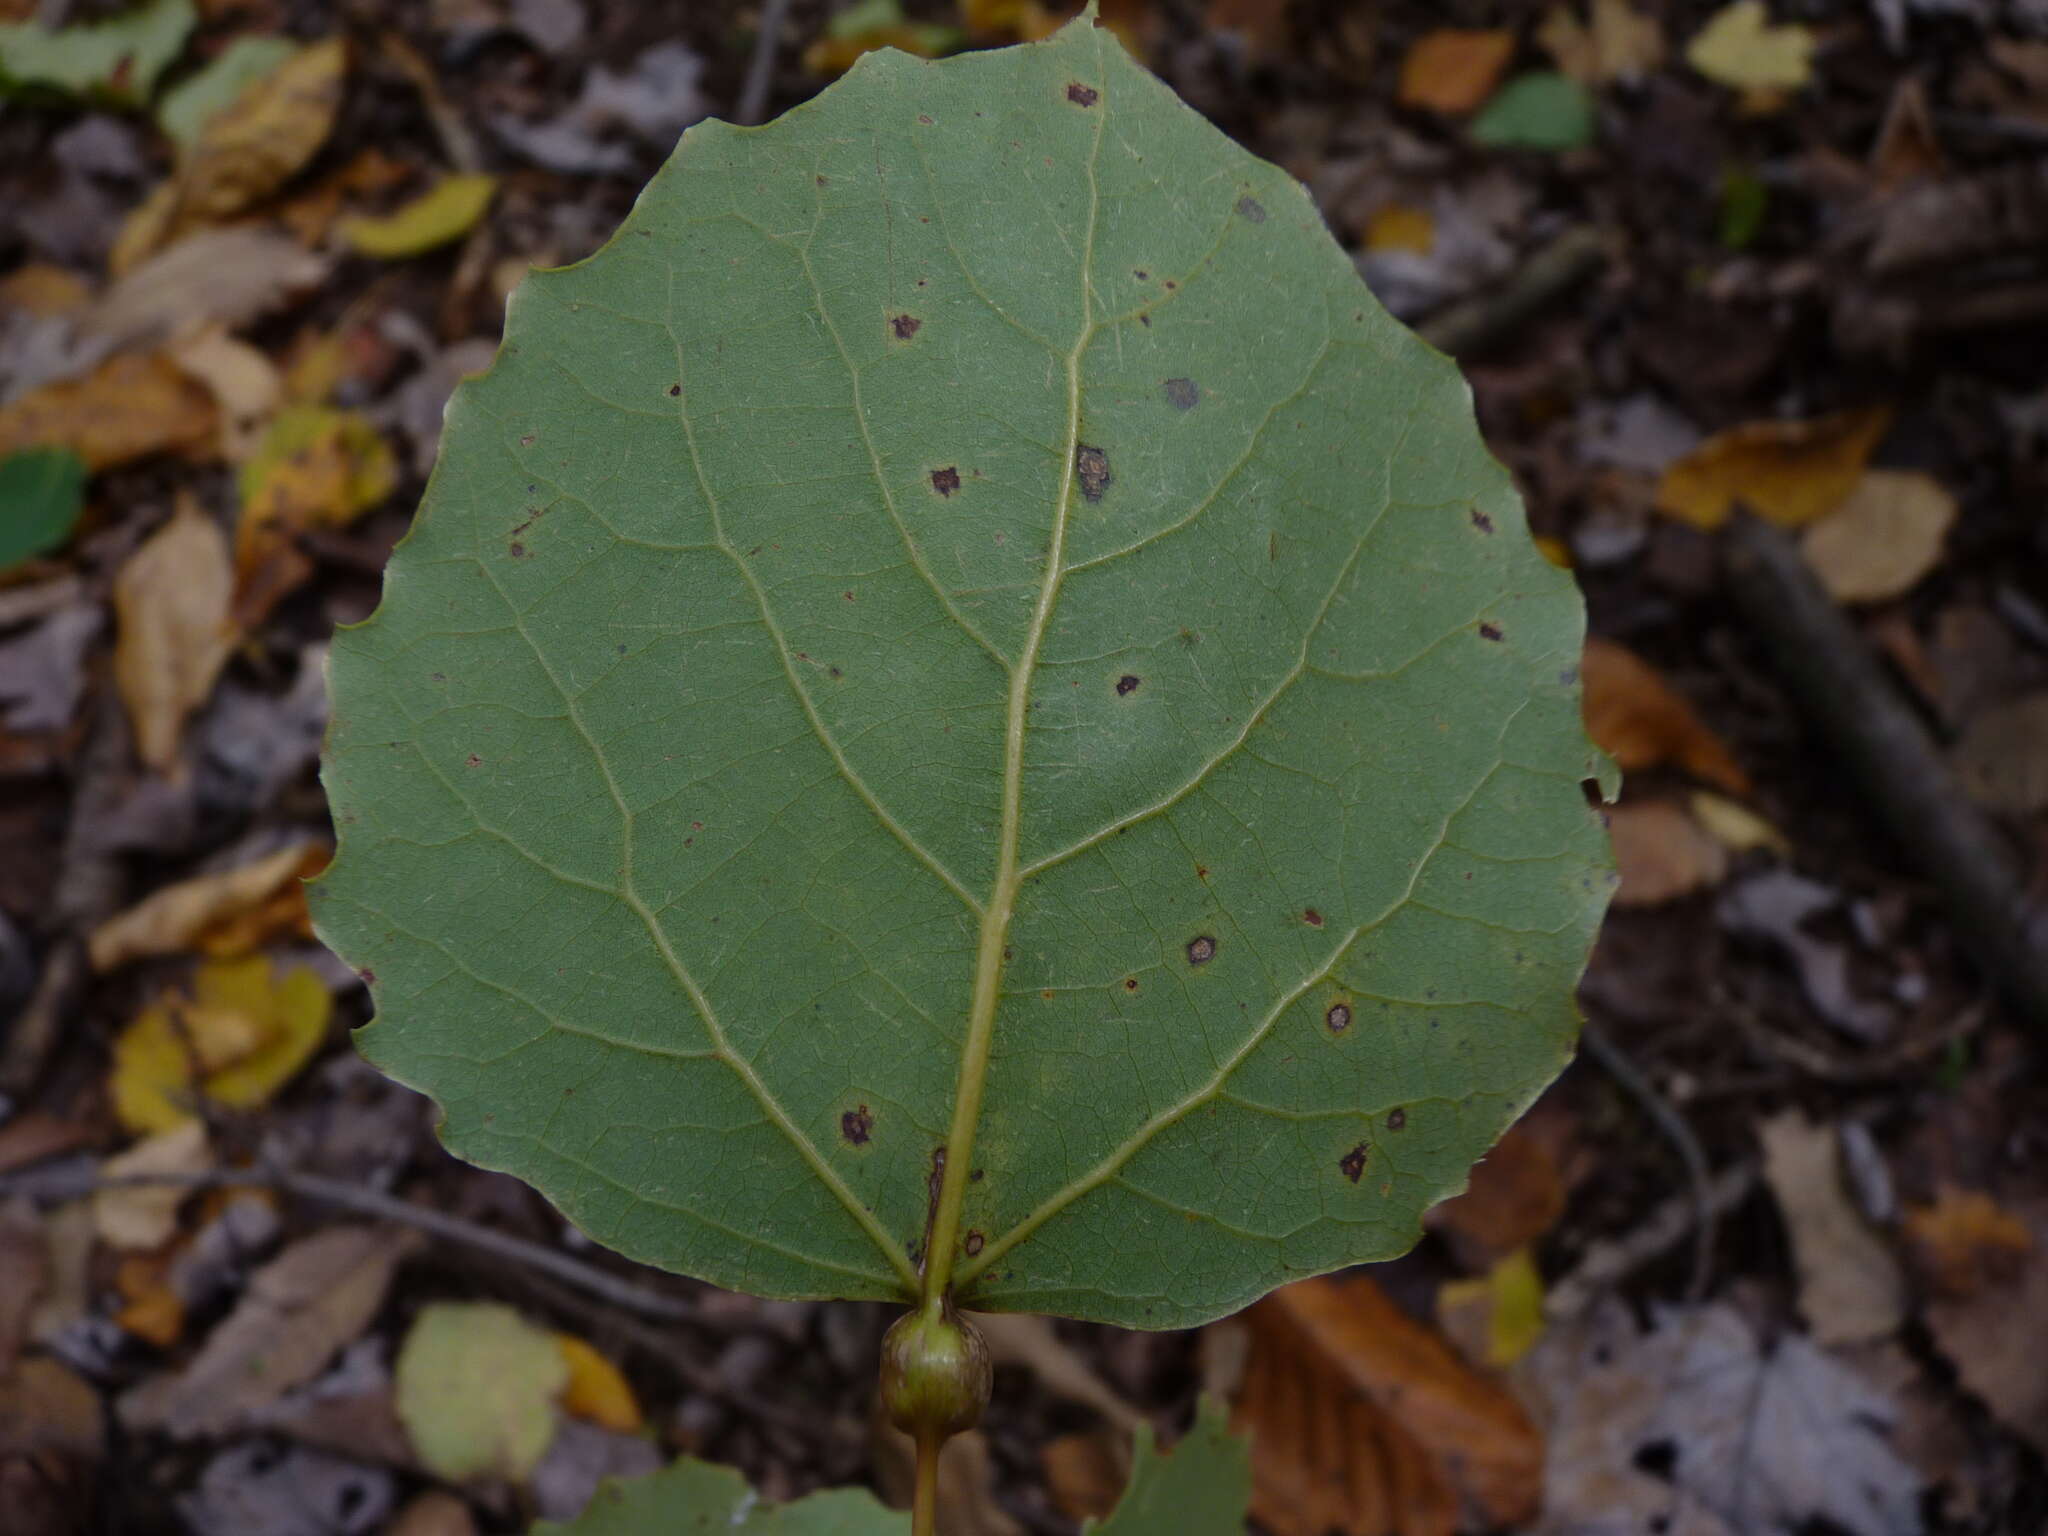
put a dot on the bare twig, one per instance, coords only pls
(753, 103)
(1608, 1264)
(1883, 744)
(1474, 324)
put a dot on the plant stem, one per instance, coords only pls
(924, 1503)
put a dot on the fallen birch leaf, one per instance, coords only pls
(1883, 539)
(172, 919)
(42, 493)
(126, 409)
(1965, 1241)
(1642, 722)
(596, 1390)
(244, 382)
(445, 212)
(1366, 1421)
(1787, 472)
(1661, 853)
(316, 468)
(1850, 1287)
(299, 1309)
(459, 1431)
(1615, 43)
(1739, 48)
(243, 1033)
(139, 1216)
(171, 599)
(2003, 756)
(118, 58)
(1452, 70)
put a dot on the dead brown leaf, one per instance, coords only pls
(245, 385)
(1965, 1241)
(139, 1216)
(1515, 1194)
(1452, 70)
(436, 1513)
(2003, 756)
(1640, 721)
(1085, 1472)
(128, 408)
(1662, 853)
(1787, 472)
(179, 917)
(1980, 1334)
(1883, 539)
(300, 1308)
(1850, 1288)
(217, 276)
(47, 1406)
(1367, 1422)
(172, 601)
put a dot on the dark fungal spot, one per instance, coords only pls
(1130, 983)
(904, 326)
(518, 550)
(1183, 394)
(834, 672)
(527, 441)
(821, 181)
(1140, 273)
(1128, 684)
(974, 1242)
(1171, 285)
(946, 481)
(1481, 521)
(857, 1125)
(367, 976)
(473, 761)
(924, 119)
(1083, 95)
(1091, 464)
(1489, 631)
(1397, 1119)
(1201, 949)
(1353, 1163)
(975, 1177)
(674, 390)
(1252, 209)
(1338, 1018)
(1312, 917)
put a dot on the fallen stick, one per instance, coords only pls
(1871, 730)
(1474, 324)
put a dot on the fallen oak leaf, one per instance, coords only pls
(171, 600)
(1642, 722)
(178, 916)
(1787, 472)
(126, 409)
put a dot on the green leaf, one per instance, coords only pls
(476, 1386)
(693, 1496)
(117, 59)
(213, 87)
(42, 491)
(1200, 1488)
(966, 626)
(1541, 110)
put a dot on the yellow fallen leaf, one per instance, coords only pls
(244, 153)
(1735, 827)
(1788, 472)
(445, 212)
(244, 383)
(176, 917)
(1452, 70)
(1739, 48)
(141, 1216)
(1497, 1317)
(1641, 721)
(241, 1034)
(171, 600)
(1661, 853)
(597, 1390)
(316, 468)
(1614, 44)
(1398, 227)
(128, 408)
(1883, 539)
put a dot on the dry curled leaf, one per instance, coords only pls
(128, 408)
(1883, 539)
(1495, 1318)
(177, 917)
(171, 599)
(1642, 722)
(1662, 853)
(1367, 1422)
(1452, 70)
(1787, 472)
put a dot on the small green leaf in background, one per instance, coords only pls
(42, 491)
(1542, 110)
(476, 1387)
(117, 60)
(693, 1496)
(211, 88)
(1745, 199)
(885, 17)
(1199, 1488)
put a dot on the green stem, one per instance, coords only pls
(924, 1504)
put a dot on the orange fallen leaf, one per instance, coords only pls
(1515, 1194)
(1084, 1472)
(1640, 721)
(171, 598)
(191, 912)
(1662, 853)
(151, 1308)
(1010, 21)
(1787, 472)
(597, 1390)
(1367, 1422)
(1452, 70)
(1965, 1241)
(128, 408)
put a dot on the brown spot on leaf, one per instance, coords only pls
(473, 761)
(1312, 917)
(1397, 1119)
(527, 440)
(1338, 1018)
(1083, 95)
(368, 976)
(1091, 464)
(1201, 949)
(1128, 684)
(518, 550)
(1489, 631)
(1130, 983)
(674, 390)
(946, 481)
(857, 1125)
(905, 326)
(1353, 1163)
(1183, 394)
(1481, 521)
(924, 119)
(975, 1241)
(1252, 209)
